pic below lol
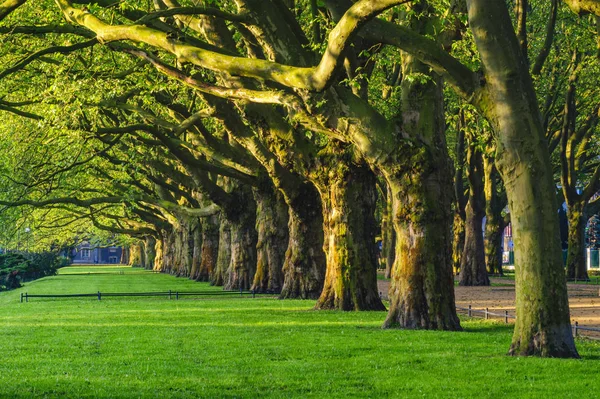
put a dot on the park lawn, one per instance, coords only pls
(160, 348)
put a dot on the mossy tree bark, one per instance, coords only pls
(422, 288)
(210, 248)
(218, 277)
(349, 200)
(472, 262)
(305, 262)
(242, 266)
(196, 248)
(271, 225)
(509, 102)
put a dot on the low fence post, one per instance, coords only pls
(486, 313)
(21, 297)
(576, 325)
(177, 295)
(469, 311)
(506, 316)
(99, 296)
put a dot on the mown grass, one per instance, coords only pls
(160, 348)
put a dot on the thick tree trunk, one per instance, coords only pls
(271, 225)
(305, 262)
(576, 262)
(150, 252)
(509, 102)
(224, 256)
(159, 258)
(125, 256)
(210, 248)
(196, 241)
(135, 255)
(350, 229)
(242, 266)
(422, 288)
(472, 261)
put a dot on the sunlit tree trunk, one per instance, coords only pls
(422, 288)
(509, 102)
(210, 248)
(576, 262)
(350, 227)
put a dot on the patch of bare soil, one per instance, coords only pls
(584, 300)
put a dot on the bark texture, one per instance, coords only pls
(350, 229)
(509, 102)
(271, 226)
(576, 262)
(420, 177)
(472, 262)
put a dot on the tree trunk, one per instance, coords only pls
(576, 262)
(509, 102)
(135, 255)
(125, 256)
(224, 256)
(458, 240)
(242, 267)
(150, 252)
(420, 177)
(210, 248)
(271, 226)
(472, 261)
(196, 241)
(304, 266)
(388, 235)
(350, 228)
(494, 222)
(158, 265)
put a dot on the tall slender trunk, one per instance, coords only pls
(420, 177)
(509, 102)
(271, 225)
(304, 266)
(210, 248)
(494, 222)
(388, 234)
(576, 262)
(125, 255)
(350, 227)
(472, 261)
(458, 240)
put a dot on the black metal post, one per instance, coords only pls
(99, 296)
(177, 295)
(486, 313)
(21, 297)
(469, 311)
(506, 316)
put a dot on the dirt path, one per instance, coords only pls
(584, 299)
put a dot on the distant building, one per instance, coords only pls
(87, 253)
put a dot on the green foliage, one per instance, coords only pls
(16, 268)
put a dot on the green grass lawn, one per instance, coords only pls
(160, 348)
